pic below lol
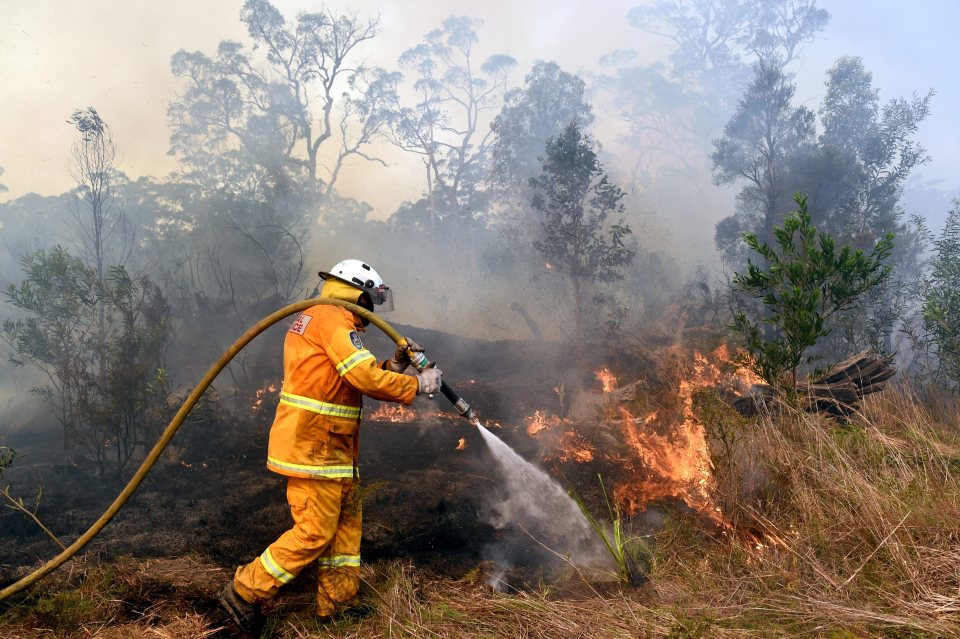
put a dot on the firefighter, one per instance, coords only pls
(314, 442)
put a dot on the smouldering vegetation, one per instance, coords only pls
(535, 223)
(841, 530)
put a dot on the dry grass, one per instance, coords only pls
(860, 522)
(842, 531)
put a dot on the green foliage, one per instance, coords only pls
(575, 197)
(632, 555)
(58, 289)
(759, 140)
(7, 457)
(853, 172)
(867, 151)
(801, 283)
(100, 347)
(941, 302)
(549, 101)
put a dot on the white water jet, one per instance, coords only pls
(539, 504)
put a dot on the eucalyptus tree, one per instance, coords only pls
(285, 112)
(674, 107)
(765, 132)
(853, 173)
(550, 100)
(445, 122)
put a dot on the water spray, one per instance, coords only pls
(419, 360)
(533, 496)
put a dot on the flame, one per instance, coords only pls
(667, 455)
(574, 448)
(393, 413)
(548, 266)
(462, 444)
(607, 379)
(675, 464)
(261, 395)
(741, 378)
(663, 454)
(568, 447)
(671, 466)
(541, 421)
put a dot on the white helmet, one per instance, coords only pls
(361, 275)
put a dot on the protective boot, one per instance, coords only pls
(246, 615)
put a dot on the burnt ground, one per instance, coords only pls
(211, 496)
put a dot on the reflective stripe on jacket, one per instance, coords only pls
(326, 370)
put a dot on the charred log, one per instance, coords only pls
(838, 392)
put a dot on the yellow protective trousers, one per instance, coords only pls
(326, 529)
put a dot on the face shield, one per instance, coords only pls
(382, 297)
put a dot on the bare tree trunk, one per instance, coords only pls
(431, 198)
(578, 307)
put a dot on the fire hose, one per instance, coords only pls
(418, 359)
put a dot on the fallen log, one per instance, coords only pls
(836, 392)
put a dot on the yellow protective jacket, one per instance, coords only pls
(326, 370)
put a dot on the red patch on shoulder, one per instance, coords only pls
(300, 324)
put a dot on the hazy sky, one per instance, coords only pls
(56, 56)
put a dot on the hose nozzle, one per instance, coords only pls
(420, 362)
(465, 409)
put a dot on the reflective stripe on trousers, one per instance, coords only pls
(272, 567)
(338, 560)
(342, 471)
(326, 529)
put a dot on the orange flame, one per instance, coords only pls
(675, 464)
(607, 379)
(541, 421)
(261, 395)
(462, 444)
(742, 379)
(574, 448)
(667, 452)
(393, 413)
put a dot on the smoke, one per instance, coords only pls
(225, 258)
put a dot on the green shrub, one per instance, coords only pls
(799, 284)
